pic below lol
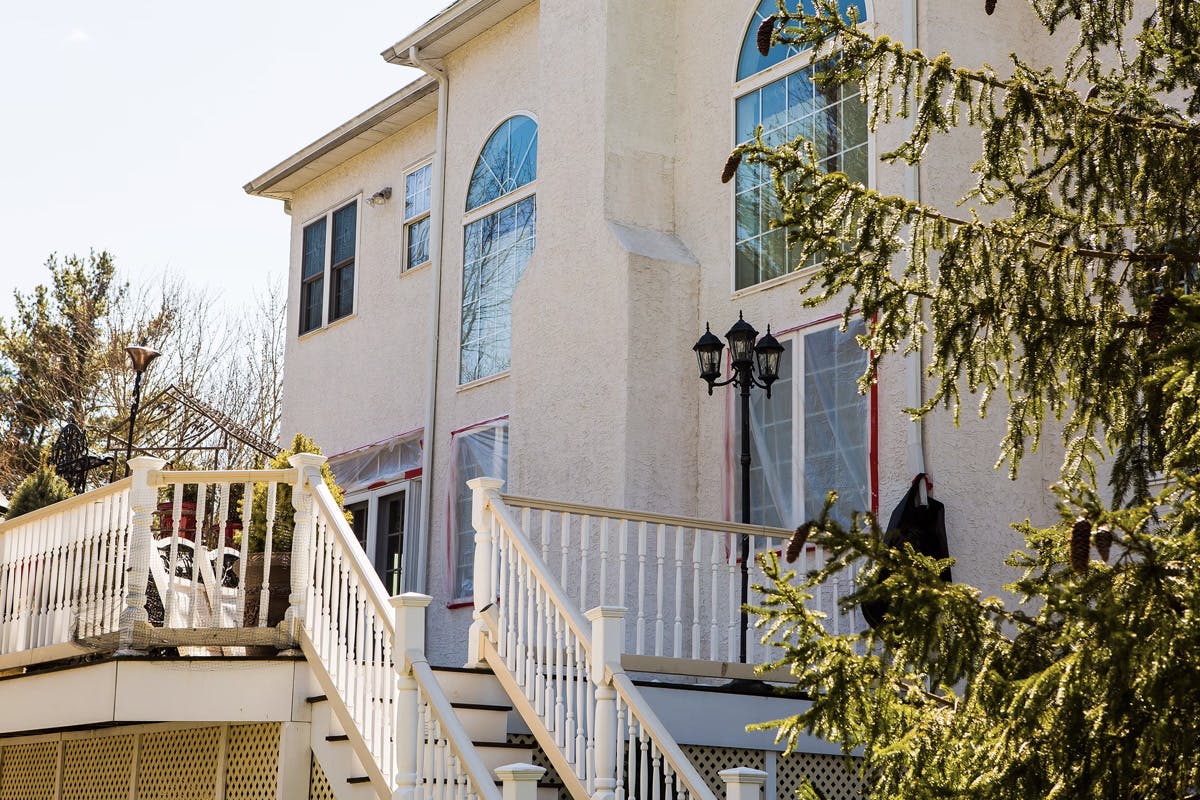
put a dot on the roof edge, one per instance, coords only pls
(407, 95)
(457, 16)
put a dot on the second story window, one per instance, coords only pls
(327, 267)
(416, 217)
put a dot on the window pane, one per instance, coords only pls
(344, 221)
(771, 427)
(343, 292)
(508, 162)
(751, 62)
(359, 523)
(418, 243)
(313, 259)
(417, 191)
(311, 297)
(836, 429)
(390, 538)
(496, 250)
(482, 452)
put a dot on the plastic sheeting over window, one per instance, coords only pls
(830, 445)
(377, 464)
(481, 451)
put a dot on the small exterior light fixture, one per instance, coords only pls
(380, 197)
(741, 343)
(708, 354)
(766, 354)
(140, 356)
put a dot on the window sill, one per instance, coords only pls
(483, 381)
(765, 286)
(459, 603)
(417, 268)
(327, 326)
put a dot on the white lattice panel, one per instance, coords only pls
(709, 761)
(834, 777)
(253, 761)
(179, 765)
(28, 771)
(97, 769)
(318, 784)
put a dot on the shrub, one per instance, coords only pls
(40, 488)
(281, 539)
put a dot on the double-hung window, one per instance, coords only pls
(416, 216)
(813, 435)
(327, 267)
(787, 103)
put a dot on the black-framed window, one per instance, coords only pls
(329, 248)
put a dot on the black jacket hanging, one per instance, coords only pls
(922, 526)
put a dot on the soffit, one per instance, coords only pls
(452, 28)
(392, 114)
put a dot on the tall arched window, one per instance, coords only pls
(498, 239)
(787, 104)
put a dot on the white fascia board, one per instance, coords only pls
(410, 103)
(452, 28)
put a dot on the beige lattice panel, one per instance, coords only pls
(318, 784)
(253, 761)
(834, 777)
(97, 769)
(709, 761)
(28, 771)
(179, 765)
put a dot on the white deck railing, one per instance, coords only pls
(590, 717)
(679, 577)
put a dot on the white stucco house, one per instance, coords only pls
(497, 275)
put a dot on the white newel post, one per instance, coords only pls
(308, 474)
(519, 781)
(409, 609)
(142, 502)
(608, 639)
(483, 590)
(743, 783)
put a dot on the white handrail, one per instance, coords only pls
(63, 506)
(456, 735)
(376, 592)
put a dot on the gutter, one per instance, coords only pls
(436, 233)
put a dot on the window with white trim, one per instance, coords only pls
(383, 518)
(813, 435)
(417, 192)
(498, 241)
(327, 267)
(478, 452)
(833, 118)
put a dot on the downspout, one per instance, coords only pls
(913, 362)
(436, 231)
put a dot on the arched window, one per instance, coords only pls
(787, 104)
(498, 239)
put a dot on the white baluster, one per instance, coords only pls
(564, 539)
(244, 553)
(198, 552)
(264, 592)
(641, 606)
(173, 554)
(142, 502)
(714, 561)
(603, 561)
(660, 590)
(585, 549)
(697, 606)
(677, 640)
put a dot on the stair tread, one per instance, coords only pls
(469, 670)
(338, 737)
(481, 706)
(508, 745)
(358, 779)
(316, 698)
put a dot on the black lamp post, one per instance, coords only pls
(746, 357)
(141, 356)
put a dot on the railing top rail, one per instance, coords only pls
(367, 575)
(167, 477)
(558, 596)
(454, 732)
(645, 516)
(70, 503)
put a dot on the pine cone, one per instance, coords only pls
(1081, 544)
(765, 29)
(1104, 540)
(989, 6)
(1158, 316)
(799, 538)
(731, 167)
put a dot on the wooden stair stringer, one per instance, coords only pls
(544, 737)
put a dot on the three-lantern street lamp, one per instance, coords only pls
(748, 354)
(141, 356)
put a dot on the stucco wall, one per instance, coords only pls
(634, 102)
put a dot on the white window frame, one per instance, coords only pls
(412, 521)
(795, 338)
(741, 88)
(408, 222)
(327, 267)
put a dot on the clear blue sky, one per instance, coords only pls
(132, 126)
